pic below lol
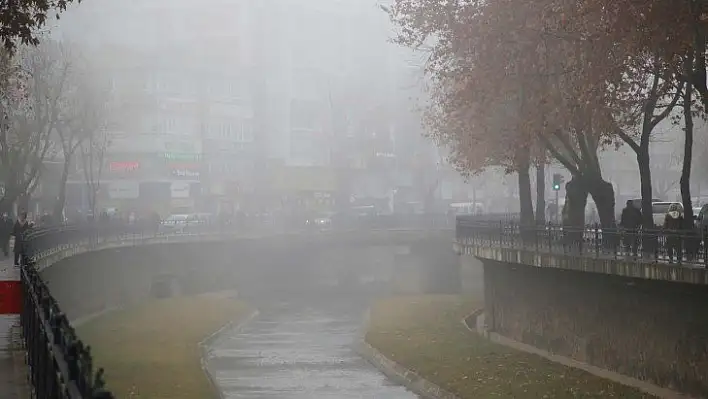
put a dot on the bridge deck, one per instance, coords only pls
(13, 371)
(618, 263)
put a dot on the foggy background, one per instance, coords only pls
(269, 104)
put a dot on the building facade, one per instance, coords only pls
(253, 104)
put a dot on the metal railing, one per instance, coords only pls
(60, 364)
(687, 247)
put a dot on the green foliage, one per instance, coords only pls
(22, 20)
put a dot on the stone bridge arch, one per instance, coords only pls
(285, 265)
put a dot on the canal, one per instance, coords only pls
(299, 350)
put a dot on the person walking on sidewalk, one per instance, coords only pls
(5, 233)
(19, 229)
(630, 221)
(673, 224)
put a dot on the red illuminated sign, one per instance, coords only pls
(124, 166)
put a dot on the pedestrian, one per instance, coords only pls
(46, 220)
(630, 221)
(5, 233)
(673, 223)
(19, 229)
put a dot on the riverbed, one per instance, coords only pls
(299, 350)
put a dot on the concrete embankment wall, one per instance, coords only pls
(92, 282)
(651, 330)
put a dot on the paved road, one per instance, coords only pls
(299, 351)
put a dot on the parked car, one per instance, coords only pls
(637, 202)
(180, 223)
(319, 221)
(702, 218)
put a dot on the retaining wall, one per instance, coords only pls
(648, 329)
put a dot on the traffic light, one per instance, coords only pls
(557, 181)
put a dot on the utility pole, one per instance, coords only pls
(557, 181)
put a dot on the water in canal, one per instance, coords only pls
(299, 350)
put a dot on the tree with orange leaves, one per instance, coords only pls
(587, 74)
(500, 62)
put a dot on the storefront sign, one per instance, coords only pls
(193, 174)
(179, 190)
(123, 190)
(180, 156)
(124, 166)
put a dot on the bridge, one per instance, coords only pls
(583, 294)
(578, 293)
(52, 289)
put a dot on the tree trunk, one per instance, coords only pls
(429, 204)
(58, 211)
(576, 199)
(92, 194)
(603, 194)
(687, 157)
(525, 202)
(646, 190)
(8, 200)
(540, 193)
(23, 201)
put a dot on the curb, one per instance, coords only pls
(206, 342)
(480, 328)
(396, 372)
(85, 319)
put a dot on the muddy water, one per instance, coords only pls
(299, 350)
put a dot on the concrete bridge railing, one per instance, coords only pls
(59, 363)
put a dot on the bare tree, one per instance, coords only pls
(33, 81)
(83, 114)
(93, 152)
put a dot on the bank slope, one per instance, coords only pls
(152, 350)
(425, 334)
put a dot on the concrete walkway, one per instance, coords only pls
(13, 370)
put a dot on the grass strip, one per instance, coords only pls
(425, 334)
(152, 350)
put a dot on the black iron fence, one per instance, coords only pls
(60, 364)
(647, 245)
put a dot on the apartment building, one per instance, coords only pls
(180, 73)
(286, 98)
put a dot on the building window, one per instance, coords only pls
(248, 130)
(304, 115)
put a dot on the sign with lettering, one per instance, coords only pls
(181, 156)
(130, 166)
(192, 174)
(179, 189)
(124, 189)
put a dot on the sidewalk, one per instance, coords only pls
(13, 371)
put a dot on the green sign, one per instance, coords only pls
(181, 156)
